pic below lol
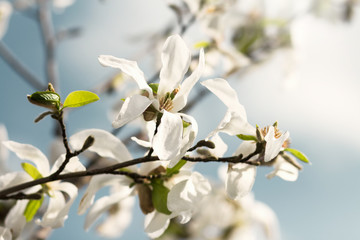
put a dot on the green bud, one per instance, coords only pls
(45, 99)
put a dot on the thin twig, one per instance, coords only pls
(49, 38)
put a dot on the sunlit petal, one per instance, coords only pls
(166, 142)
(15, 219)
(132, 108)
(176, 58)
(156, 223)
(180, 99)
(128, 67)
(273, 144)
(31, 153)
(105, 144)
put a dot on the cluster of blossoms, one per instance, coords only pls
(165, 183)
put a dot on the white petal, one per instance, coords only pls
(264, 215)
(132, 108)
(13, 178)
(273, 145)
(156, 223)
(166, 142)
(96, 183)
(115, 224)
(74, 165)
(284, 170)
(143, 143)
(234, 124)
(183, 196)
(176, 58)
(189, 135)
(58, 209)
(5, 234)
(226, 94)
(3, 150)
(15, 219)
(103, 204)
(240, 180)
(180, 99)
(128, 67)
(31, 153)
(105, 144)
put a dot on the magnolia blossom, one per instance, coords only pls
(218, 217)
(187, 189)
(241, 176)
(58, 207)
(169, 98)
(5, 13)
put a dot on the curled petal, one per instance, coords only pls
(233, 124)
(284, 170)
(273, 144)
(132, 108)
(180, 99)
(31, 153)
(166, 142)
(222, 89)
(240, 180)
(96, 183)
(128, 67)
(156, 223)
(176, 60)
(57, 211)
(15, 219)
(121, 203)
(115, 224)
(188, 137)
(105, 144)
(3, 150)
(5, 234)
(74, 165)
(183, 196)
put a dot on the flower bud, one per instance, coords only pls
(145, 198)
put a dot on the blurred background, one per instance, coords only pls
(311, 87)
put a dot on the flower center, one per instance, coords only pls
(166, 102)
(277, 134)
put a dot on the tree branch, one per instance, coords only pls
(20, 68)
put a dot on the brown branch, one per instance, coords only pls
(20, 68)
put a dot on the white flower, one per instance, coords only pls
(119, 203)
(183, 199)
(5, 13)
(170, 98)
(58, 207)
(274, 142)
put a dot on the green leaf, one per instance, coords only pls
(185, 124)
(31, 170)
(299, 155)
(159, 196)
(80, 98)
(31, 208)
(176, 168)
(154, 87)
(45, 99)
(247, 137)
